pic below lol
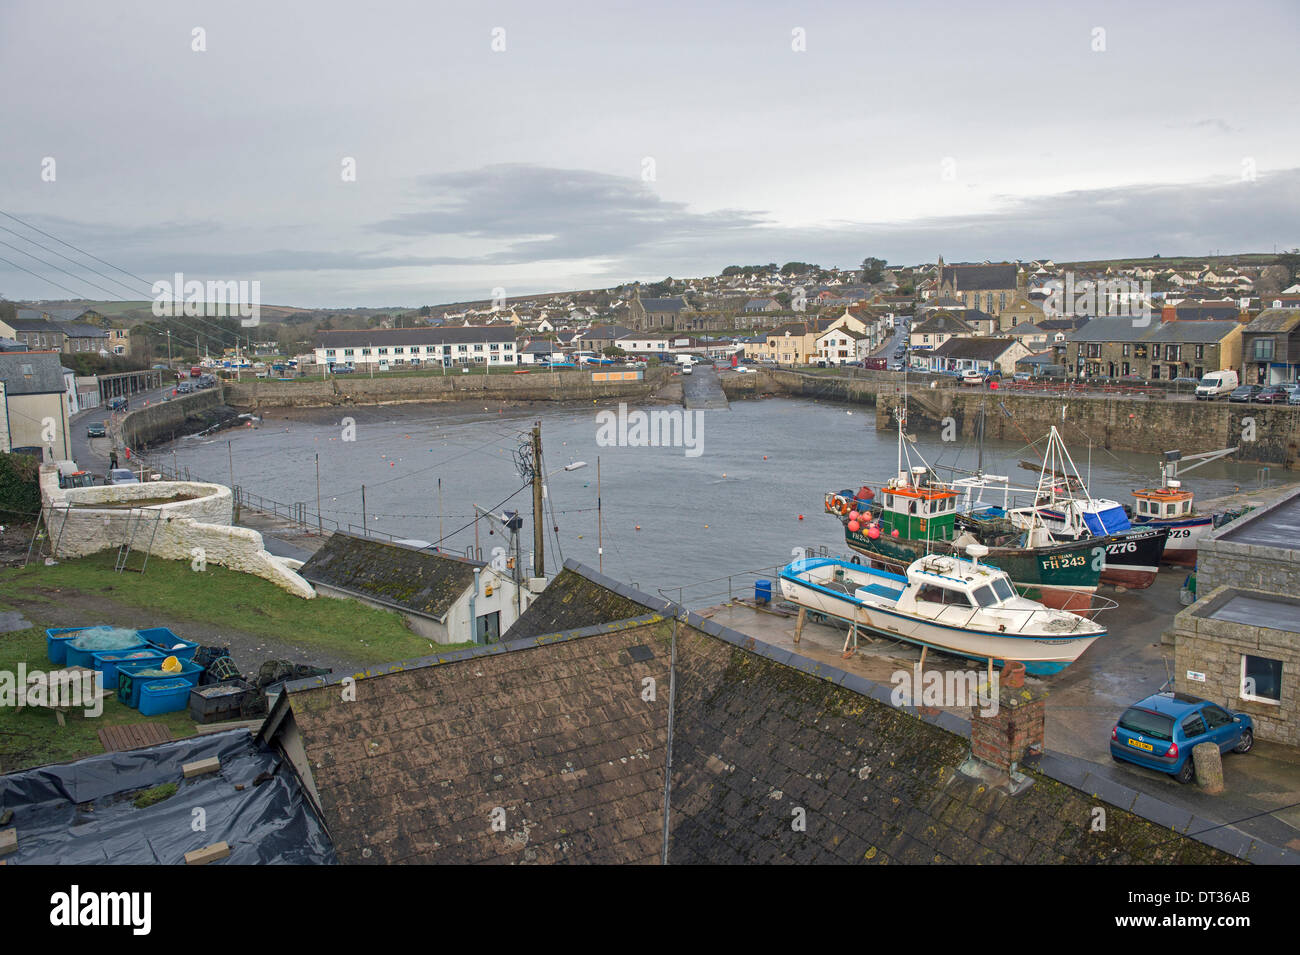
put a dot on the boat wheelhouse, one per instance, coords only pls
(1172, 507)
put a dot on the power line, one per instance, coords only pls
(57, 268)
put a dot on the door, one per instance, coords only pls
(488, 628)
(1222, 727)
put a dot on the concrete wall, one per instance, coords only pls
(360, 390)
(1221, 562)
(181, 527)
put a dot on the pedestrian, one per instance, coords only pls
(112, 460)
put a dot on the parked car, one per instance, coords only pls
(116, 404)
(95, 431)
(1023, 376)
(1295, 398)
(1160, 731)
(688, 368)
(897, 365)
(1131, 380)
(741, 369)
(122, 476)
(1216, 384)
(184, 388)
(1245, 393)
(1272, 395)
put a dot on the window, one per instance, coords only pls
(1125, 351)
(1193, 726)
(329, 353)
(1200, 352)
(365, 351)
(1155, 351)
(1263, 349)
(1261, 679)
(1216, 716)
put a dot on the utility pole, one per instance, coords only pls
(600, 530)
(364, 526)
(539, 538)
(320, 521)
(169, 348)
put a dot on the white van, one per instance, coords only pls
(1216, 384)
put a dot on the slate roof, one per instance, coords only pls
(675, 304)
(979, 278)
(383, 337)
(32, 325)
(944, 323)
(977, 349)
(82, 330)
(407, 578)
(571, 602)
(46, 373)
(555, 737)
(1196, 313)
(1275, 320)
(605, 333)
(1121, 329)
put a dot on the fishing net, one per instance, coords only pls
(107, 638)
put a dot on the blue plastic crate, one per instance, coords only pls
(164, 696)
(164, 639)
(106, 661)
(129, 684)
(76, 657)
(56, 643)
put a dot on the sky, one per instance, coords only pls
(407, 153)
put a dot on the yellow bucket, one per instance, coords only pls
(171, 665)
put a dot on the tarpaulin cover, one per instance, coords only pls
(1110, 521)
(83, 813)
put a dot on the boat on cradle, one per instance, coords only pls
(963, 607)
(1130, 556)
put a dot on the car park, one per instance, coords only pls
(1245, 393)
(1161, 731)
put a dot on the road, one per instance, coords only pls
(91, 454)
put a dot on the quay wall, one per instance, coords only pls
(165, 420)
(1266, 434)
(357, 390)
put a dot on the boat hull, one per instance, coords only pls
(1062, 577)
(1184, 537)
(1041, 654)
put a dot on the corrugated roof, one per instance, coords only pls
(385, 337)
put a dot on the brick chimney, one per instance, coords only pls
(1168, 313)
(1004, 738)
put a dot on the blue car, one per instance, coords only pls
(1160, 731)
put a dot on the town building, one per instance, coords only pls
(446, 347)
(34, 400)
(1271, 347)
(663, 314)
(978, 354)
(989, 287)
(445, 598)
(1114, 347)
(937, 328)
(839, 346)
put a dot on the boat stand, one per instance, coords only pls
(851, 638)
(799, 622)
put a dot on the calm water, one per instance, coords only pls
(733, 509)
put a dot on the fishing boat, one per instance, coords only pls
(1173, 506)
(1130, 556)
(950, 603)
(916, 514)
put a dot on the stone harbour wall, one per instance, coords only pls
(360, 390)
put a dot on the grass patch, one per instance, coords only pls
(217, 595)
(156, 795)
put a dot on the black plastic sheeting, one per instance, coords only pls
(83, 813)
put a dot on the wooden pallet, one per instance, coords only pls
(133, 736)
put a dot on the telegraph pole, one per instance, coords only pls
(539, 538)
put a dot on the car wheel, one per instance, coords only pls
(1188, 772)
(1247, 741)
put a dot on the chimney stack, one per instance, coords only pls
(1016, 730)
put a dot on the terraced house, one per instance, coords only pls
(418, 347)
(1114, 347)
(1271, 347)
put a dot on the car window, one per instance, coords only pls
(1193, 726)
(1155, 725)
(1216, 717)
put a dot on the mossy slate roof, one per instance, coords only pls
(560, 739)
(571, 602)
(416, 580)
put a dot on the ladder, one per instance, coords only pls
(43, 533)
(135, 518)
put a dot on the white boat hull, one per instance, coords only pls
(1040, 653)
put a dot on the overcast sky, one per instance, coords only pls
(615, 141)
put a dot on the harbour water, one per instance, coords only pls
(670, 518)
